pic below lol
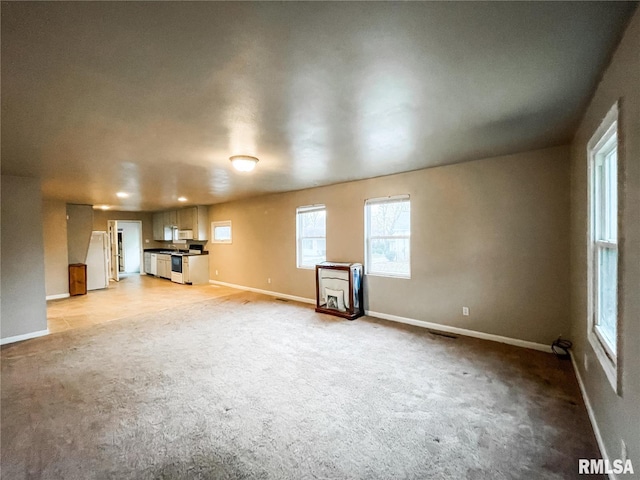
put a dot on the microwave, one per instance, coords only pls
(185, 234)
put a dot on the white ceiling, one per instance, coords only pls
(153, 98)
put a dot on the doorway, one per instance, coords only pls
(127, 256)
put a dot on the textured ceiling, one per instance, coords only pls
(153, 98)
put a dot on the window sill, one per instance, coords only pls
(608, 366)
(388, 275)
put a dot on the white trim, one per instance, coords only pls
(606, 131)
(592, 415)
(462, 331)
(320, 207)
(410, 321)
(222, 223)
(26, 336)
(58, 296)
(265, 292)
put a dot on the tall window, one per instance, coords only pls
(603, 245)
(388, 236)
(311, 227)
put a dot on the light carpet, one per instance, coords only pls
(250, 387)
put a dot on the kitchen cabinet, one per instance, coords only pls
(187, 218)
(158, 226)
(194, 219)
(147, 262)
(170, 218)
(164, 266)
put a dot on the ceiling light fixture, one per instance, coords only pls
(122, 194)
(243, 163)
(182, 199)
(104, 207)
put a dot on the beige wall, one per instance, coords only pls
(491, 235)
(618, 417)
(79, 225)
(100, 219)
(22, 304)
(54, 222)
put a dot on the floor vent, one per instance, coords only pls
(282, 300)
(442, 334)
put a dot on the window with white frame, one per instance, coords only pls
(603, 244)
(221, 232)
(388, 236)
(311, 234)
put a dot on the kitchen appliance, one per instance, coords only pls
(190, 268)
(185, 234)
(98, 261)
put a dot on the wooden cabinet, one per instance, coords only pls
(187, 218)
(170, 218)
(194, 219)
(339, 289)
(77, 279)
(164, 266)
(158, 226)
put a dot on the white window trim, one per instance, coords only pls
(606, 357)
(226, 223)
(367, 239)
(306, 209)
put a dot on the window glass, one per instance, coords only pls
(221, 232)
(311, 227)
(388, 236)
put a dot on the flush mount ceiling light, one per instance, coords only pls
(243, 163)
(101, 207)
(122, 194)
(182, 199)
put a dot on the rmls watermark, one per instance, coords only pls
(598, 466)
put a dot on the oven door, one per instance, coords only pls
(176, 263)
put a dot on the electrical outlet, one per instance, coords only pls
(268, 280)
(146, 240)
(216, 273)
(623, 451)
(465, 311)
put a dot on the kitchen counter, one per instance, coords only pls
(164, 251)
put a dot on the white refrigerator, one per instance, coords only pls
(98, 261)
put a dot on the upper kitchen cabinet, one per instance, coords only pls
(158, 226)
(187, 218)
(191, 222)
(171, 218)
(193, 219)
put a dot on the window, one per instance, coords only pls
(603, 244)
(221, 232)
(311, 228)
(388, 236)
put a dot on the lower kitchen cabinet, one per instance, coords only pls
(164, 266)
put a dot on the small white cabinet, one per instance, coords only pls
(147, 262)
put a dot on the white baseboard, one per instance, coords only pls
(265, 292)
(462, 331)
(592, 416)
(58, 296)
(409, 321)
(26, 336)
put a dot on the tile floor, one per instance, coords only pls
(132, 295)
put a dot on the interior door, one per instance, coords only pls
(114, 264)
